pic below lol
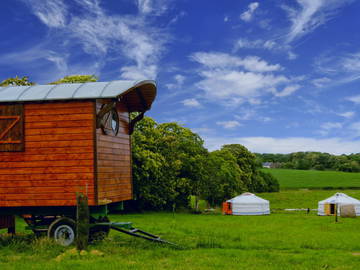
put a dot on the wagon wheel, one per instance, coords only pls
(63, 231)
(99, 232)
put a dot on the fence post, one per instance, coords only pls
(82, 221)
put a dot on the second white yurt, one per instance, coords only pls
(327, 207)
(249, 204)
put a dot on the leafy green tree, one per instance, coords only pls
(224, 177)
(76, 79)
(167, 160)
(254, 180)
(16, 81)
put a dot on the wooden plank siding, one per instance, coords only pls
(58, 159)
(114, 179)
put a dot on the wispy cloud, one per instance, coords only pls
(321, 82)
(191, 102)
(153, 7)
(309, 15)
(130, 38)
(355, 99)
(348, 114)
(255, 44)
(178, 82)
(229, 124)
(237, 80)
(328, 126)
(355, 127)
(288, 90)
(249, 13)
(52, 13)
(224, 60)
(340, 67)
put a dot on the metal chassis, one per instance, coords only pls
(97, 213)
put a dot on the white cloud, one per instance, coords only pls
(347, 114)
(224, 60)
(309, 15)
(228, 124)
(128, 37)
(355, 127)
(152, 7)
(179, 81)
(321, 82)
(351, 62)
(52, 13)
(236, 80)
(191, 102)
(341, 67)
(355, 99)
(292, 56)
(335, 145)
(249, 13)
(288, 90)
(255, 44)
(230, 84)
(331, 125)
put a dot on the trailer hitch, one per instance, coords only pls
(126, 227)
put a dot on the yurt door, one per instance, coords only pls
(330, 209)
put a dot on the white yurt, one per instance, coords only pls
(249, 204)
(327, 207)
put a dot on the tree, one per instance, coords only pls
(254, 180)
(76, 79)
(224, 177)
(167, 164)
(16, 81)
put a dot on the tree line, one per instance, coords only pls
(170, 163)
(312, 161)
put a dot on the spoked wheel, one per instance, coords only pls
(63, 231)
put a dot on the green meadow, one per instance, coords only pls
(282, 240)
(294, 179)
(213, 241)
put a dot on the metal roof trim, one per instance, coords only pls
(102, 90)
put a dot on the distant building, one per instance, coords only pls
(267, 165)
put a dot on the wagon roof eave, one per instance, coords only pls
(138, 95)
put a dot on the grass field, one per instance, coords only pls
(282, 240)
(279, 241)
(293, 179)
(302, 198)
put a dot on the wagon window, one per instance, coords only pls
(110, 122)
(11, 128)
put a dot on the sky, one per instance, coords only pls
(277, 76)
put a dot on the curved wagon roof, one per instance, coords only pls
(138, 95)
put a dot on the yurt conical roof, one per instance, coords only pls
(248, 198)
(340, 198)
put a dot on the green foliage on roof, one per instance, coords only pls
(76, 79)
(16, 81)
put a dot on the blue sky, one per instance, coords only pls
(275, 76)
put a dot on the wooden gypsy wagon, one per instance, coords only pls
(57, 140)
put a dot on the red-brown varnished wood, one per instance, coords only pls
(114, 181)
(58, 158)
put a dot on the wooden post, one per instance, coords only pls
(82, 221)
(336, 212)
